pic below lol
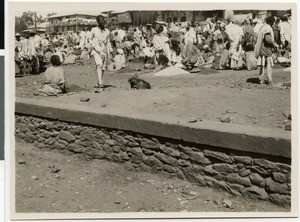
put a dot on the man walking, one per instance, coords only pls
(263, 50)
(101, 49)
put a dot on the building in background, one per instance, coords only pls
(144, 17)
(75, 22)
(189, 16)
(279, 13)
(240, 15)
(126, 18)
(63, 23)
(137, 18)
(121, 18)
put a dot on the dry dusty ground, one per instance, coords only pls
(101, 186)
(49, 181)
(207, 95)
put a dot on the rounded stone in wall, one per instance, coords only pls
(255, 192)
(282, 200)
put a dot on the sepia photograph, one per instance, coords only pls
(152, 110)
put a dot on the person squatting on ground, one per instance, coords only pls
(264, 50)
(119, 61)
(55, 82)
(101, 49)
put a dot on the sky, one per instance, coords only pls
(44, 13)
(44, 8)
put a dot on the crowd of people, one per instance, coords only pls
(217, 44)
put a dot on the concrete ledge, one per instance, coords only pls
(275, 142)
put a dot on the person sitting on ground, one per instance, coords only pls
(119, 61)
(58, 51)
(55, 82)
(224, 60)
(149, 54)
(250, 59)
(70, 55)
(208, 56)
(176, 58)
(192, 57)
(283, 56)
(47, 56)
(160, 59)
(85, 53)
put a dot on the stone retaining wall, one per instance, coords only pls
(238, 172)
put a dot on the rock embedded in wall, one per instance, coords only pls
(224, 168)
(199, 158)
(255, 192)
(275, 187)
(217, 156)
(243, 159)
(257, 180)
(64, 135)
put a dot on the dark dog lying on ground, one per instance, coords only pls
(136, 83)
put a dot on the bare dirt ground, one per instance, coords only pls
(49, 181)
(207, 95)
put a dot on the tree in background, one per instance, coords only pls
(20, 24)
(26, 20)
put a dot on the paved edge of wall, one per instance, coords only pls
(267, 141)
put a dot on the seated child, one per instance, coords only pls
(55, 82)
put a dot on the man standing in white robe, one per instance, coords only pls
(235, 34)
(101, 49)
